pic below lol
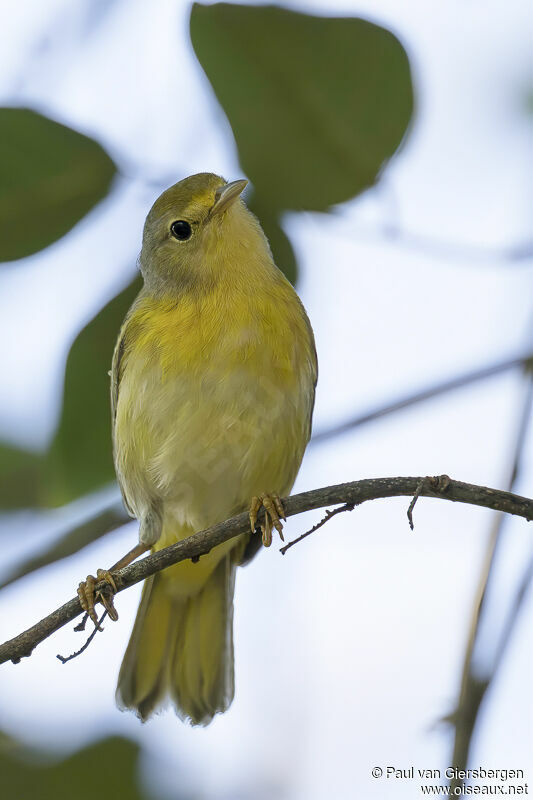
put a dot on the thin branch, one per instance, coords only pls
(473, 687)
(443, 387)
(326, 518)
(512, 618)
(82, 649)
(517, 252)
(80, 536)
(201, 543)
(441, 483)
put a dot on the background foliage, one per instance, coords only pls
(318, 107)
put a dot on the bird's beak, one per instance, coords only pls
(226, 195)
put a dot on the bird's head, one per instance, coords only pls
(196, 230)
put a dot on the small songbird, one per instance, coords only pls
(212, 392)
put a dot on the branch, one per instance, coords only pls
(473, 687)
(516, 252)
(351, 494)
(443, 387)
(84, 533)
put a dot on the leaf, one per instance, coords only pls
(79, 459)
(317, 104)
(50, 177)
(108, 767)
(21, 473)
(279, 243)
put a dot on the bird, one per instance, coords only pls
(212, 393)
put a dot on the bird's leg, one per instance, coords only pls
(273, 511)
(86, 590)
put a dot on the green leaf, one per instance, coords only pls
(317, 105)
(50, 177)
(21, 474)
(279, 243)
(106, 768)
(80, 458)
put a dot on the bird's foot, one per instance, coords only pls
(86, 589)
(273, 511)
(88, 596)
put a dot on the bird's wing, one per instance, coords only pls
(117, 370)
(253, 542)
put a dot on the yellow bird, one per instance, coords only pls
(212, 384)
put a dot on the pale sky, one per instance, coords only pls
(348, 649)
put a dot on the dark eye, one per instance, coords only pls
(181, 230)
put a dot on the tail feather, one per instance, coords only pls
(202, 677)
(182, 648)
(143, 674)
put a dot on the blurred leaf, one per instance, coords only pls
(70, 543)
(80, 457)
(21, 474)
(279, 243)
(317, 104)
(50, 177)
(106, 768)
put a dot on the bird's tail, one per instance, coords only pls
(182, 648)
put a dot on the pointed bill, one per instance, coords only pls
(226, 195)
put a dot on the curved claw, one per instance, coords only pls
(89, 595)
(107, 592)
(273, 511)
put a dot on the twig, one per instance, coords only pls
(443, 387)
(200, 543)
(413, 503)
(81, 625)
(326, 518)
(81, 535)
(97, 628)
(439, 484)
(441, 248)
(512, 617)
(473, 688)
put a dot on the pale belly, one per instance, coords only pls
(202, 446)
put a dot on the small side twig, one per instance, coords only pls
(79, 627)
(326, 518)
(438, 483)
(412, 504)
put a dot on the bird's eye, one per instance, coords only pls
(181, 230)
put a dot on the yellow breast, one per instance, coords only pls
(215, 400)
